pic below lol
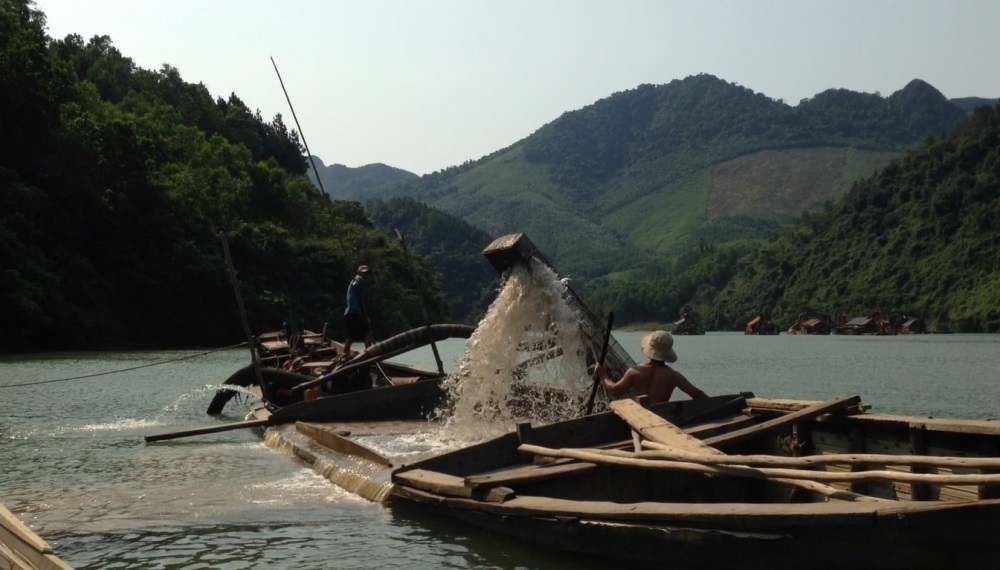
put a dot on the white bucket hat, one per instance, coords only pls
(658, 345)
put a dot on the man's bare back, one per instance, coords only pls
(654, 379)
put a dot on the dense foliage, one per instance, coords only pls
(449, 245)
(116, 183)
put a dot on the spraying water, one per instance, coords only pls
(526, 361)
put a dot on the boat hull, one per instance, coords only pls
(413, 401)
(887, 540)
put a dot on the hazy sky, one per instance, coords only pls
(427, 84)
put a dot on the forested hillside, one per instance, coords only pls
(116, 183)
(921, 237)
(450, 246)
(644, 175)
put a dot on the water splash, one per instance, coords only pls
(163, 416)
(119, 424)
(526, 361)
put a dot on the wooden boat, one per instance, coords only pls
(761, 324)
(687, 325)
(731, 482)
(22, 549)
(368, 387)
(812, 326)
(876, 325)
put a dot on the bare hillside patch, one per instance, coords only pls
(775, 184)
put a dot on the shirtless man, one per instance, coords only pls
(654, 378)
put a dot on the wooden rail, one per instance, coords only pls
(22, 549)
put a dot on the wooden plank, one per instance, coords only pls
(272, 346)
(805, 414)
(655, 428)
(724, 425)
(401, 380)
(748, 516)
(629, 459)
(450, 486)
(320, 364)
(944, 425)
(969, 465)
(782, 404)
(528, 474)
(332, 440)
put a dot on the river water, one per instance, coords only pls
(75, 467)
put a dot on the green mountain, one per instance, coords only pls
(921, 237)
(647, 174)
(969, 104)
(343, 182)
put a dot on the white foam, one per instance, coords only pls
(530, 316)
(121, 424)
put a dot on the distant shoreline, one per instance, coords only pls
(633, 327)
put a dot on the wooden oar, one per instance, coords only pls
(211, 429)
(604, 353)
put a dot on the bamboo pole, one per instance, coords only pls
(660, 451)
(295, 117)
(825, 490)
(254, 357)
(597, 456)
(423, 301)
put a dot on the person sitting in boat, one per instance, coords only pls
(653, 378)
(356, 319)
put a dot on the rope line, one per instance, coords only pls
(125, 369)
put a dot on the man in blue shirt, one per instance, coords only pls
(356, 314)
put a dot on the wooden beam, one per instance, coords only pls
(805, 414)
(450, 486)
(332, 440)
(918, 446)
(856, 445)
(612, 457)
(990, 448)
(660, 451)
(655, 428)
(528, 474)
